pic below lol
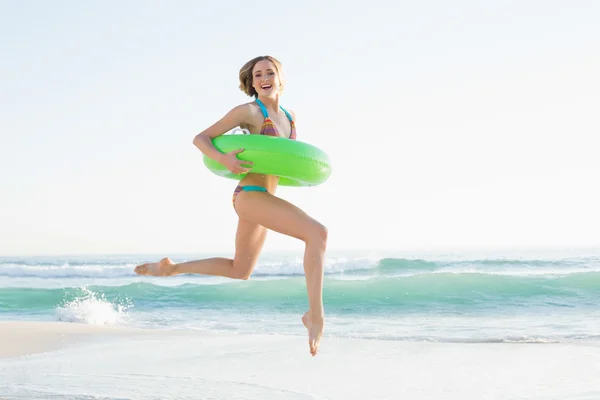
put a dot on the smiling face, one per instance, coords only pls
(265, 79)
(262, 76)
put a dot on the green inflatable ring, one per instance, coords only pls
(296, 163)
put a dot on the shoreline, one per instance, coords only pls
(23, 337)
(20, 338)
(73, 360)
(112, 361)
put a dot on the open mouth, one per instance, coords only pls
(266, 87)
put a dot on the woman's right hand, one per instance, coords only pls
(234, 164)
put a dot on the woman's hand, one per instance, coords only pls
(234, 164)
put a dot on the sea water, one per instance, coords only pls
(531, 296)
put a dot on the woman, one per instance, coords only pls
(254, 198)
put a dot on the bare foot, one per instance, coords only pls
(315, 332)
(164, 267)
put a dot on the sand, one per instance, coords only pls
(21, 338)
(58, 360)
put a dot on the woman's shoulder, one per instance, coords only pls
(251, 109)
(290, 113)
(293, 114)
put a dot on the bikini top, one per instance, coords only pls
(268, 127)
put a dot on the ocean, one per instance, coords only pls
(471, 296)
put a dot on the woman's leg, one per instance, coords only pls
(249, 240)
(283, 217)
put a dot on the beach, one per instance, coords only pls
(69, 361)
(463, 325)
(25, 338)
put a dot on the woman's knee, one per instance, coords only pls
(242, 269)
(318, 234)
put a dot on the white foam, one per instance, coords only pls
(332, 265)
(66, 270)
(94, 309)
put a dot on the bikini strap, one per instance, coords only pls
(262, 108)
(287, 113)
(266, 114)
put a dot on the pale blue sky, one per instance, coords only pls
(460, 123)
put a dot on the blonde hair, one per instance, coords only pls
(246, 74)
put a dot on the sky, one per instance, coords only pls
(461, 123)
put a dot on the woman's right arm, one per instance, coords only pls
(203, 141)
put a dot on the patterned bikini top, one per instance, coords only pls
(268, 127)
